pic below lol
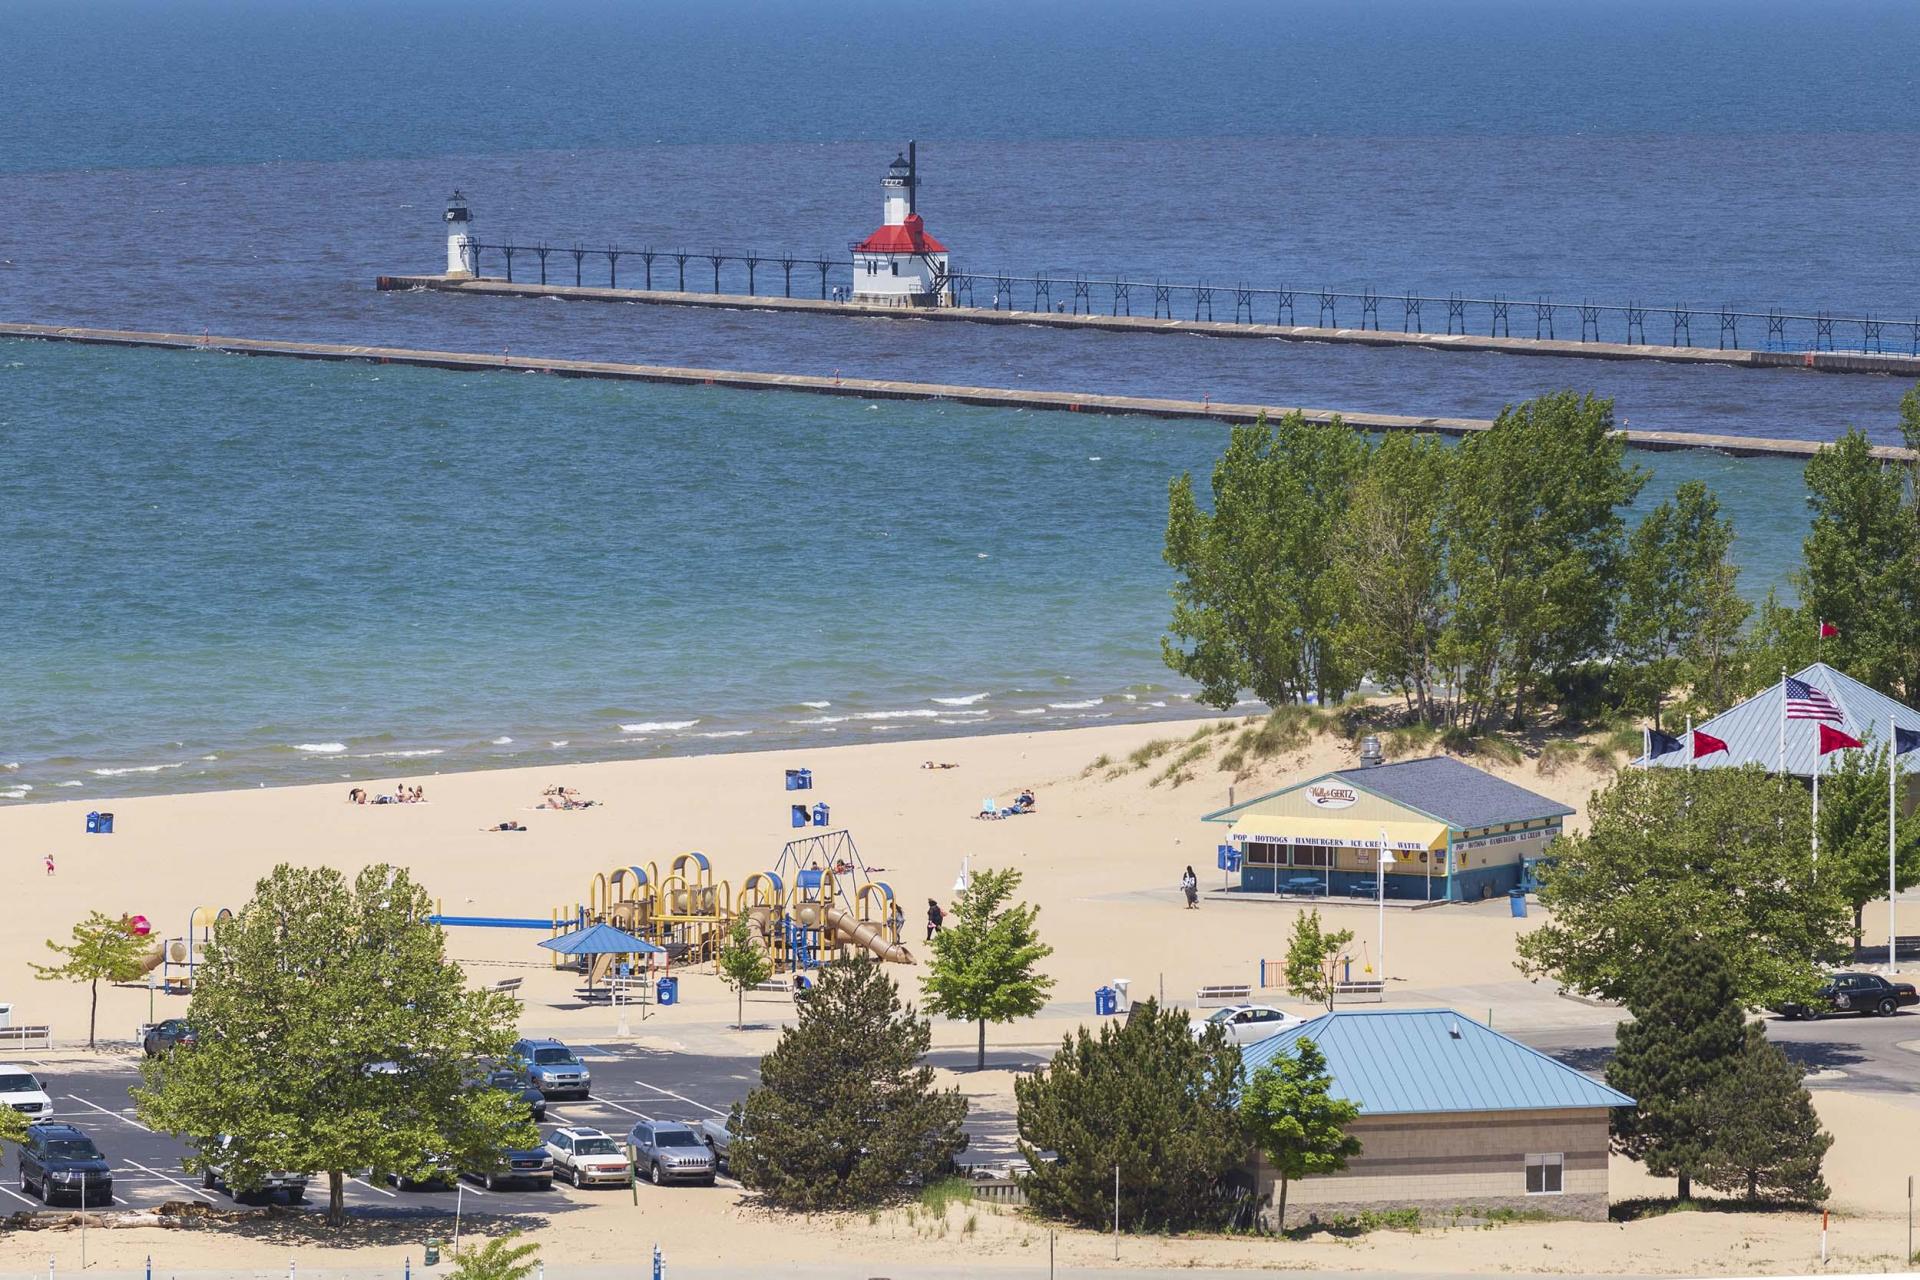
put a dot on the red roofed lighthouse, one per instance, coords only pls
(900, 265)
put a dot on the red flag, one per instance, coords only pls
(1831, 739)
(1705, 744)
(1828, 629)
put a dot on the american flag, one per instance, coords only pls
(1804, 702)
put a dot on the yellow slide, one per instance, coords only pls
(152, 960)
(867, 934)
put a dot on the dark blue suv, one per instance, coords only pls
(59, 1160)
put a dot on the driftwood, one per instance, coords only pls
(174, 1213)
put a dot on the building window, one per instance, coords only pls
(1262, 854)
(1544, 1174)
(1307, 855)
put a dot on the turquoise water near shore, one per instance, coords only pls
(225, 571)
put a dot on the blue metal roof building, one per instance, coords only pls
(1423, 1061)
(1753, 730)
(1455, 1120)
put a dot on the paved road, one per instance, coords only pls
(1876, 1054)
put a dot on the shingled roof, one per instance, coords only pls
(1445, 789)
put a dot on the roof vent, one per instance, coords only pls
(1453, 1029)
(1370, 752)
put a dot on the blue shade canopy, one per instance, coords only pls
(601, 940)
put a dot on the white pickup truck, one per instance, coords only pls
(718, 1136)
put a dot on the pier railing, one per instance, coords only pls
(750, 273)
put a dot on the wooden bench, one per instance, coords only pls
(1366, 991)
(1224, 993)
(772, 987)
(509, 986)
(26, 1037)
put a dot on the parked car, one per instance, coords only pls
(717, 1133)
(437, 1174)
(1249, 1023)
(23, 1091)
(161, 1037)
(1855, 993)
(214, 1177)
(510, 1081)
(58, 1159)
(587, 1157)
(669, 1151)
(513, 1167)
(552, 1068)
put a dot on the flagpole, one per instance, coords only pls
(1780, 771)
(1380, 892)
(1893, 816)
(1817, 759)
(1689, 742)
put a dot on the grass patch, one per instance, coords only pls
(1660, 1206)
(1557, 756)
(1601, 756)
(1234, 760)
(1359, 1224)
(1624, 740)
(1176, 770)
(1101, 761)
(1490, 746)
(1407, 739)
(1142, 756)
(1499, 1216)
(937, 1195)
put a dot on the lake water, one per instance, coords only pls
(308, 571)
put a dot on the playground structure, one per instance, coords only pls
(179, 959)
(819, 900)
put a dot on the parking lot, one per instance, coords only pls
(629, 1084)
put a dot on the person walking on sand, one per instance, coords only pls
(935, 919)
(1190, 885)
(49, 864)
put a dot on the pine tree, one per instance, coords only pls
(102, 947)
(1766, 1135)
(984, 960)
(1145, 1096)
(1313, 959)
(312, 985)
(846, 1116)
(1684, 1041)
(743, 963)
(1292, 1117)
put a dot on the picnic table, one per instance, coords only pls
(1308, 885)
(1364, 889)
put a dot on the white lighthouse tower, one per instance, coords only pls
(461, 258)
(900, 265)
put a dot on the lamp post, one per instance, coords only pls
(965, 880)
(1380, 899)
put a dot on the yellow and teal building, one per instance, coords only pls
(1450, 832)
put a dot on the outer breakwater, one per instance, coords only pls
(1889, 363)
(878, 389)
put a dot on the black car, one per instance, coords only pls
(174, 1033)
(531, 1168)
(1855, 993)
(515, 1083)
(59, 1160)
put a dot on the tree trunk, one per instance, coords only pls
(1753, 1184)
(93, 1011)
(1280, 1218)
(1858, 909)
(739, 1008)
(980, 1064)
(1686, 1186)
(336, 1198)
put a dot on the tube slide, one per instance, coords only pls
(152, 960)
(868, 934)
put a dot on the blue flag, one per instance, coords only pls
(1905, 740)
(1664, 744)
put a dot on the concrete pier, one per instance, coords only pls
(882, 389)
(1818, 361)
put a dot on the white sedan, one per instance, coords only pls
(1249, 1023)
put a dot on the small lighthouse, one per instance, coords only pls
(461, 258)
(900, 265)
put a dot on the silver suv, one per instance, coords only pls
(669, 1151)
(552, 1068)
(214, 1176)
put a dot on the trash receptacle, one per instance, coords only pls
(1105, 1001)
(667, 991)
(432, 1257)
(1517, 900)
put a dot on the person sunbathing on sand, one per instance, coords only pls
(505, 826)
(931, 765)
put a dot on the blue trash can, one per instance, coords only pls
(799, 779)
(820, 812)
(667, 991)
(1106, 1001)
(800, 815)
(99, 824)
(1517, 900)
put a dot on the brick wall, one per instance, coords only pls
(1444, 1163)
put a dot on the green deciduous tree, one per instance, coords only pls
(743, 963)
(101, 947)
(1680, 613)
(1721, 855)
(1766, 1136)
(1862, 566)
(986, 958)
(1313, 959)
(1292, 1117)
(335, 1035)
(501, 1258)
(1535, 526)
(846, 1115)
(1255, 604)
(1684, 1040)
(1853, 832)
(1147, 1097)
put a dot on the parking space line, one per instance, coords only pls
(609, 1102)
(175, 1181)
(17, 1196)
(103, 1111)
(683, 1097)
(369, 1186)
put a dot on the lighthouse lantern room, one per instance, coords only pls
(462, 260)
(900, 265)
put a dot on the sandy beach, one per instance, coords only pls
(1101, 855)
